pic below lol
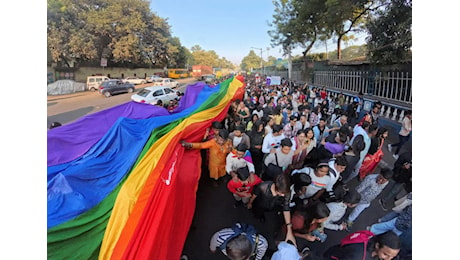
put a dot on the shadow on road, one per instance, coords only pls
(63, 117)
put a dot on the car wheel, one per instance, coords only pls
(92, 89)
(107, 94)
(130, 90)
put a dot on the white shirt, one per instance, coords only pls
(233, 163)
(317, 183)
(334, 177)
(271, 141)
(337, 211)
(237, 140)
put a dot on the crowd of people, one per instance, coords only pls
(293, 149)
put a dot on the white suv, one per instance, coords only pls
(166, 82)
(93, 82)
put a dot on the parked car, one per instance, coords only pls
(208, 78)
(115, 86)
(166, 82)
(93, 82)
(151, 95)
(134, 80)
(152, 78)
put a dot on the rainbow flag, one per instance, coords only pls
(117, 179)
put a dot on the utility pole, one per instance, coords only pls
(289, 63)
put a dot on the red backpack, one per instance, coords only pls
(362, 236)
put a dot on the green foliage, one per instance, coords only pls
(304, 22)
(125, 32)
(390, 34)
(199, 56)
(251, 61)
(349, 53)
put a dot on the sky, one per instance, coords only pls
(230, 28)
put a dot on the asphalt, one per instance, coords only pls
(214, 211)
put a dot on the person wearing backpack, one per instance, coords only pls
(240, 242)
(278, 162)
(364, 245)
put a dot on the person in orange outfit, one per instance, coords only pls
(218, 147)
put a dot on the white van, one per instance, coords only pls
(93, 82)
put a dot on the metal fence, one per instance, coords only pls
(392, 86)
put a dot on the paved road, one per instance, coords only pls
(70, 107)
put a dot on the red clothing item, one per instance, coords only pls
(234, 187)
(323, 94)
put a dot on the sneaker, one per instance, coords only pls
(382, 204)
(389, 147)
(395, 156)
(305, 252)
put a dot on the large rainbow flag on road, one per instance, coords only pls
(120, 185)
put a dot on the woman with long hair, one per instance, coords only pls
(375, 153)
(303, 143)
(256, 135)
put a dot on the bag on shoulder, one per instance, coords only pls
(273, 170)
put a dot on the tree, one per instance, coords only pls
(69, 39)
(123, 31)
(203, 57)
(304, 22)
(390, 34)
(347, 16)
(250, 61)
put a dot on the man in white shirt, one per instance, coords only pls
(272, 140)
(239, 158)
(302, 123)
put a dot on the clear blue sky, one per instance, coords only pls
(230, 28)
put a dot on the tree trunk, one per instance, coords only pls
(339, 50)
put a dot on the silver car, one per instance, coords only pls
(151, 95)
(166, 82)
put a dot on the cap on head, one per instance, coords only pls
(243, 173)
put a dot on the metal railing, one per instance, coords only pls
(392, 86)
(393, 89)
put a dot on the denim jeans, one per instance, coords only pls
(383, 227)
(357, 211)
(402, 141)
(394, 188)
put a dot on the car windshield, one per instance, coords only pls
(143, 93)
(159, 80)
